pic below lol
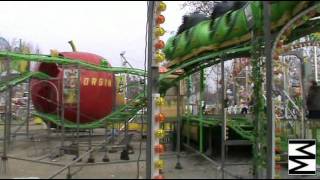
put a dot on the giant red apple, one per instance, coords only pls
(96, 89)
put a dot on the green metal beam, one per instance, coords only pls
(66, 61)
(21, 78)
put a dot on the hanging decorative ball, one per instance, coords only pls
(280, 44)
(160, 133)
(160, 118)
(160, 57)
(159, 164)
(278, 112)
(159, 177)
(278, 131)
(277, 176)
(276, 58)
(283, 37)
(162, 6)
(277, 101)
(277, 158)
(279, 51)
(297, 92)
(162, 69)
(286, 48)
(278, 78)
(277, 149)
(278, 121)
(159, 31)
(278, 115)
(277, 71)
(287, 33)
(159, 148)
(278, 167)
(159, 45)
(160, 19)
(278, 140)
(160, 101)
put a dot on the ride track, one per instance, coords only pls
(192, 54)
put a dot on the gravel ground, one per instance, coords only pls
(194, 166)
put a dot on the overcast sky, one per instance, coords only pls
(104, 28)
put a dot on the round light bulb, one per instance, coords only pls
(159, 31)
(160, 57)
(162, 6)
(160, 118)
(160, 133)
(159, 45)
(160, 19)
(160, 101)
(159, 148)
(159, 164)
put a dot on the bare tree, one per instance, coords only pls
(204, 7)
(21, 46)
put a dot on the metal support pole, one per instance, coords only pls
(286, 87)
(105, 157)
(189, 109)
(126, 128)
(270, 113)
(6, 138)
(201, 109)
(178, 165)
(153, 73)
(74, 162)
(234, 91)
(69, 176)
(28, 105)
(299, 55)
(49, 138)
(61, 84)
(9, 114)
(9, 120)
(91, 158)
(246, 79)
(315, 62)
(302, 110)
(4, 157)
(224, 119)
(114, 88)
(78, 102)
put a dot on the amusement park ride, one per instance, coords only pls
(77, 90)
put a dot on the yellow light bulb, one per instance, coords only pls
(160, 101)
(277, 158)
(162, 6)
(160, 133)
(54, 52)
(160, 57)
(159, 31)
(159, 164)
